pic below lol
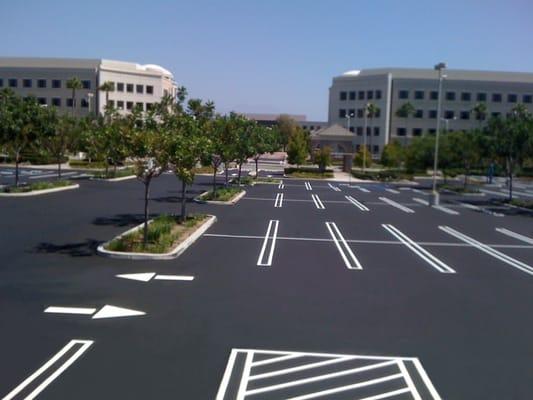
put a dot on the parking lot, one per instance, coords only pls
(29, 175)
(302, 290)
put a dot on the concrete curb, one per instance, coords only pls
(39, 192)
(463, 194)
(180, 248)
(122, 178)
(231, 202)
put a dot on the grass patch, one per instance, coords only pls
(222, 194)
(203, 170)
(385, 175)
(522, 203)
(36, 186)
(268, 180)
(305, 172)
(119, 173)
(87, 164)
(164, 233)
(459, 189)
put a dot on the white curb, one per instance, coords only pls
(122, 178)
(39, 192)
(175, 252)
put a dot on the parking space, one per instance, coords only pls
(302, 290)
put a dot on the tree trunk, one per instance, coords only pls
(17, 161)
(239, 179)
(114, 170)
(510, 180)
(183, 216)
(106, 170)
(256, 167)
(59, 168)
(146, 194)
(227, 174)
(215, 181)
(73, 100)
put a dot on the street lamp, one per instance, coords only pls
(364, 135)
(440, 67)
(90, 96)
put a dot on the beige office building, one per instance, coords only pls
(390, 88)
(135, 85)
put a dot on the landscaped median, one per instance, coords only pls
(167, 238)
(115, 176)
(307, 173)
(37, 188)
(224, 196)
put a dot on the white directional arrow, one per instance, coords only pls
(106, 311)
(147, 276)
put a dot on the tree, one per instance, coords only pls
(405, 111)
(372, 111)
(480, 112)
(57, 136)
(244, 146)
(322, 157)
(362, 158)
(393, 154)
(297, 148)
(74, 84)
(107, 87)
(264, 140)
(464, 150)
(20, 124)
(287, 127)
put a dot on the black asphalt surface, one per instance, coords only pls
(471, 331)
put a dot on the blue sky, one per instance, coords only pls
(274, 56)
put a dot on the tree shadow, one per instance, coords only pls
(120, 220)
(173, 199)
(80, 249)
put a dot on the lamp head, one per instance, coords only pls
(440, 66)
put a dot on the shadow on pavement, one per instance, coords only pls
(120, 220)
(80, 249)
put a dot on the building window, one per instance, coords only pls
(417, 132)
(342, 113)
(351, 112)
(359, 131)
(465, 115)
(352, 95)
(419, 95)
(84, 103)
(432, 114)
(448, 114)
(360, 113)
(69, 102)
(357, 147)
(120, 87)
(26, 83)
(129, 87)
(41, 83)
(450, 96)
(369, 94)
(361, 95)
(419, 114)
(466, 96)
(351, 129)
(13, 83)
(377, 113)
(378, 94)
(342, 96)
(1, 82)
(140, 89)
(149, 89)
(527, 98)
(434, 95)
(120, 105)
(481, 97)
(401, 131)
(376, 131)
(368, 131)
(129, 105)
(56, 83)
(497, 97)
(41, 101)
(140, 106)
(56, 102)
(403, 94)
(512, 98)
(432, 131)
(111, 103)
(86, 84)
(376, 149)
(496, 114)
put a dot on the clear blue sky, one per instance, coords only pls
(274, 55)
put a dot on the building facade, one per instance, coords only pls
(135, 85)
(390, 88)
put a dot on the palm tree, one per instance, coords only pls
(480, 112)
(405, 111)
(107, 87)
(74, 84)
(372, 111)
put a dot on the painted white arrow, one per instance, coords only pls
(106, 311)
(147, 276)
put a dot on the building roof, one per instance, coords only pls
(334, 131)
(429, 73)
(273, 117)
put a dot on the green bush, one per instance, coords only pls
(383, 175)
(36, 186)
(222, 194)
(87, 164)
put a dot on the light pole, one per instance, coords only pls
(89, 100)
(364, 135)
(435, 194)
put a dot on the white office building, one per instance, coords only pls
(135, 85)
(390, 88)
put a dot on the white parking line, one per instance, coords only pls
(318, 203)
(392, 191)
(335, 188)
(420, 192)
(489, 250)
(272, 227)
(418, 250)
(421, 201)
(397, 205)
(85, 344)
(278, 203)
(477, 208)
(52, 175)
(351, 262)
(357, 203)
(281, 185)
(515, 235)
(440, 208)
(308, 186)
(70, 310)
(362, 189)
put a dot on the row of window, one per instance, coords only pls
(84, 103)
(464, 96)
(86, 84)
(119, 104)
(359, 113)
(361, 95)
(431, 114)
(359, 130)
(374, 148)
(414, 131)
(40, 83)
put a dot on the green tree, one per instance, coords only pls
(58, 136)
(362, 158)
(287, 127)
(464, 150)
(264, 140)
(107, 87)
(372, 111)
(393, 154)
(297, 148)
(480, 112)
(322, 157)
(74, 84)
(405, 111)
